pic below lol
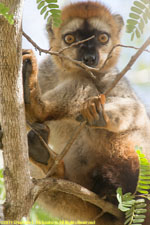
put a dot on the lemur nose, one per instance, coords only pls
(90, 59)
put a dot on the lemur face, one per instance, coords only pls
(82, 23)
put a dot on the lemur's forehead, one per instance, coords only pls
(73, 25)
(93, 23)
(96, 23)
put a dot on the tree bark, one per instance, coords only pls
(16, 168)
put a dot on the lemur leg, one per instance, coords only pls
(39, 152)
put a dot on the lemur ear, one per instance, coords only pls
(49, 26)
(119, 21)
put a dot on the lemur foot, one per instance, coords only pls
(39, 153)
(1, 135)
(92, 111)
(29, 73)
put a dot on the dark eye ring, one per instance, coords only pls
(69, 38)
(103, 38)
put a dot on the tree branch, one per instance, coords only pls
(128, 66)
(12, 116)
(51, 184)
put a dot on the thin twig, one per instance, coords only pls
(129, 65)
(76, 43)
(66, 148)
(116, 46)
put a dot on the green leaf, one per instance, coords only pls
(132, 22)
(132, 36)
(134, 16)
(147, 11)
(139, 5)
(140, 211)
(141, 200)
(1, 173)
(43, 10)
(145, 182)
(147, 187)
(140, 206)
(142, 191)
(129, 28)
(145, 1)
(55, 11)
(138, 220)
(129, 213)
(144, 173)
(4, 10)
(49, 19)
(137, 10)
(137, 33)
(46, 14)
(141, 25)
(52, 6)
(37, 1)
(119, 194)
(139, 216)
(56, 24)
(144, 177)
(51, 1)
(41, 4)
(123, 208)
(128, 220)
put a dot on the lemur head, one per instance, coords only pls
(83, 20)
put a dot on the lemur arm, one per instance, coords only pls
(36, 110)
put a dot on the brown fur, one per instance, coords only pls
(103, 156)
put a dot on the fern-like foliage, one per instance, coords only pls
(50, 10)
(5, 12)
(139, 16)
(143, 185)
(134, 205)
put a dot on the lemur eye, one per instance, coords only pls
(103, 38)
(69, 39)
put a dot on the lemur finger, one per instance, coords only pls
(86, 113)
(98, 104)
(26, 70)
(94, 111)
